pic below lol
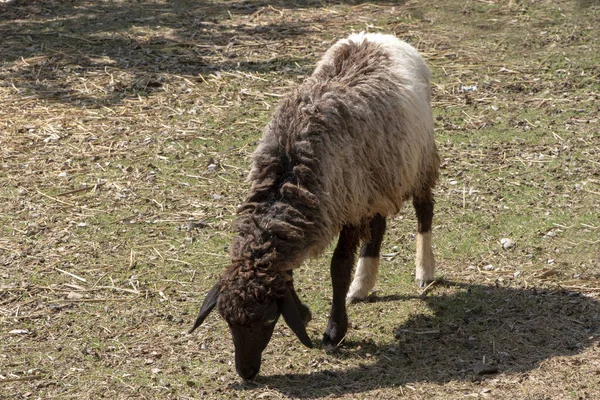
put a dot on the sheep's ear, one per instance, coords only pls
(210, 301)
(292, 318)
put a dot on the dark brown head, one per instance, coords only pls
(251, 311)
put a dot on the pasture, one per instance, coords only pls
(125, 134)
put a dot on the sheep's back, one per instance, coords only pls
(356, 137)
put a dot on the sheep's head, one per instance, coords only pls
(251, 311)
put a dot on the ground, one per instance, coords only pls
(125, 134)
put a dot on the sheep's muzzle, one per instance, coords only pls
(250, 341)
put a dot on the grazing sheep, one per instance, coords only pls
(343, 151)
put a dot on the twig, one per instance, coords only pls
(578, 288)
(562, 226)
(118, 289)
(92, 300)
(591, 191)
(78, 38)
(431, 332)
(76, 287)
(13, 289)
(591, 241)
(99, 279)
(129, 218)
(58, 200)
(180, 261)
(70, 274)
(96, 186)
(22, 379)
(132, 260)
(521, 161)
(427, 288)
(29, 316)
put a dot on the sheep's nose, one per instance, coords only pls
(248, 371)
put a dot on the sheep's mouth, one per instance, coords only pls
(247, 363)
(248, 372)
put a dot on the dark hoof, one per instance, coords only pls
(330, 344)
(334, 335)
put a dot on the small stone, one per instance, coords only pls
(470, 342)
(488, 267)
(469, 88)
(195, 225)
(74, 296)
(507, 243)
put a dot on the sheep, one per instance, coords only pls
(342, 152)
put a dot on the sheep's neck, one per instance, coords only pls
(272, 241)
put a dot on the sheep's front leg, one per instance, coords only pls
(425, 262)
(368, 262)
(341, 272)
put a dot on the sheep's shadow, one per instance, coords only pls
(513, 330)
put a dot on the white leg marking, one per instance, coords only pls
(425, 260)
(364, 279)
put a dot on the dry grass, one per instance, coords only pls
(125, 131)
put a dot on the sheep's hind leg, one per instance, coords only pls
(368, 263)
(341, 272)
(425, 261)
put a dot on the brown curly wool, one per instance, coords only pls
(351, 142)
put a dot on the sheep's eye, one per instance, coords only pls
(270, 322)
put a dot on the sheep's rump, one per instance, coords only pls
(354, 140)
